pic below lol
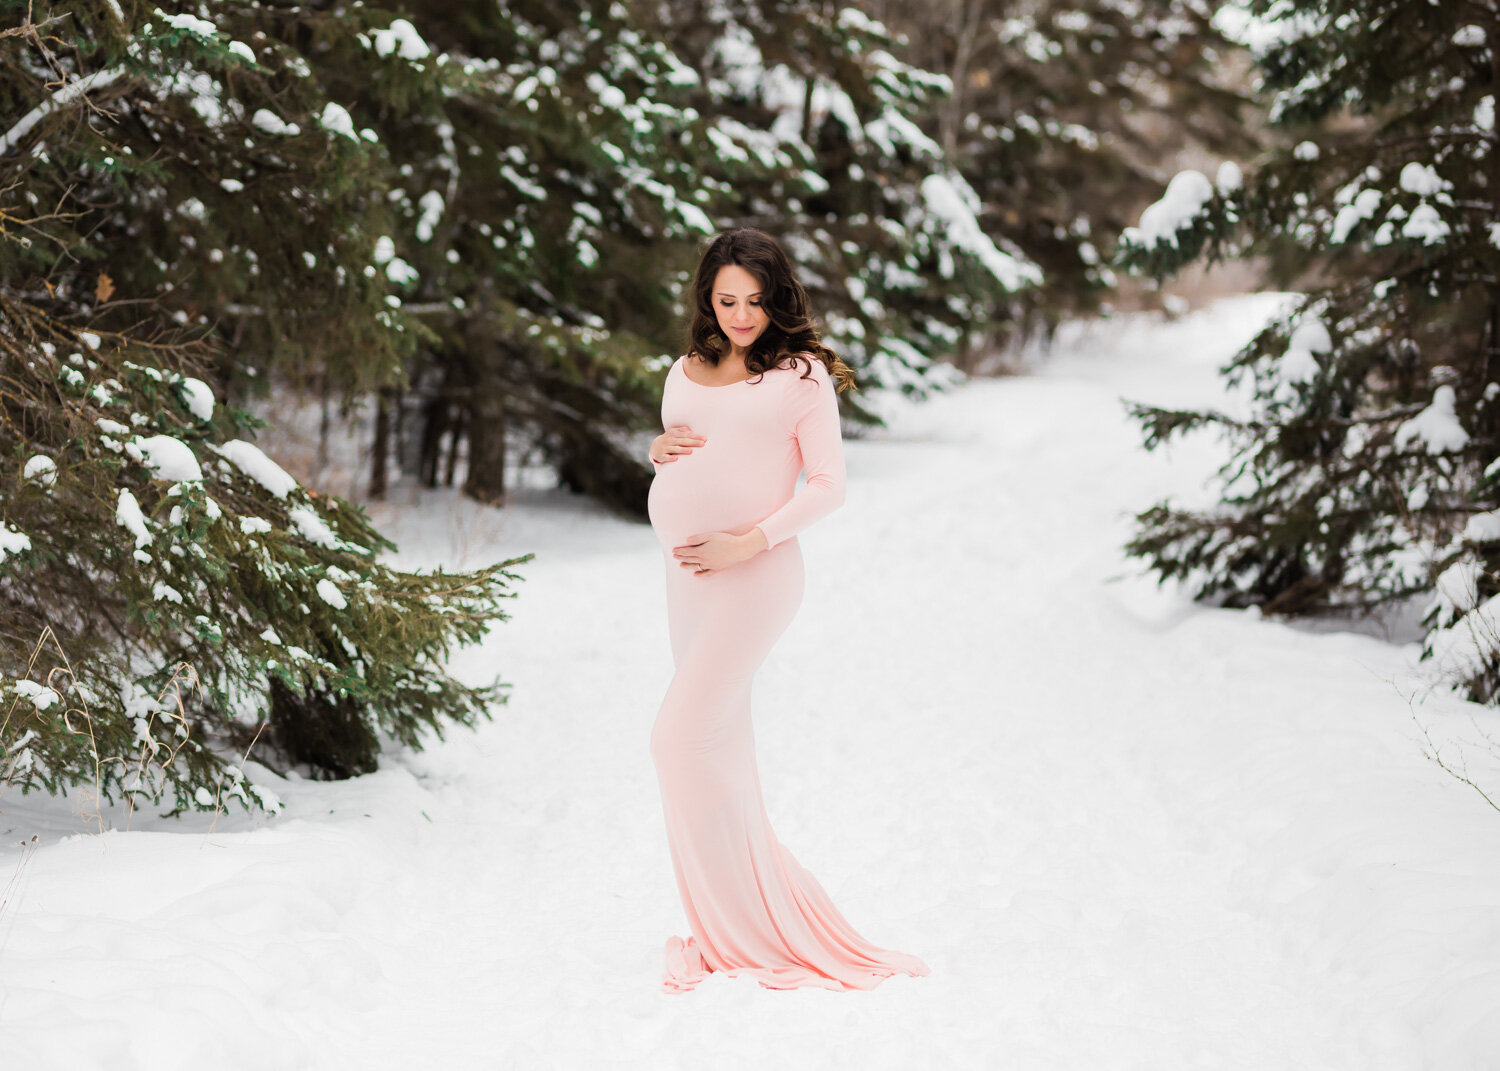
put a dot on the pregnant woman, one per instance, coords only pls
(749, 406)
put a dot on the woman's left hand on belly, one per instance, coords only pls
(709, 552)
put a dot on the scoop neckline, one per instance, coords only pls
(682, 361)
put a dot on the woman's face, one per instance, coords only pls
(737, 303)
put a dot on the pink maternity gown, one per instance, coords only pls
(752, 908)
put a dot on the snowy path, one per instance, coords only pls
(1124, 831)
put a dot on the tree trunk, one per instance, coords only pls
(460, 427)
(436, 419)
(485, 411)
(324, 422)
(807, 99)
(381, 450)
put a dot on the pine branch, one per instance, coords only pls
(1159, 425)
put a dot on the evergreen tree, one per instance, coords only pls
(1366, 471)
(545, 194)
(882, 224)
(195, 172)
(194, 595)
(1061, 117)
(169, 596)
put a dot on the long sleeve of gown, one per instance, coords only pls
(813, 414)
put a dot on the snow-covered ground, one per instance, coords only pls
(1123, 830)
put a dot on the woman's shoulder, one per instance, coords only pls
(805, 368)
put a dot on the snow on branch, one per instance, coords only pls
(61, 99)
(1185, 196)
(953, 201)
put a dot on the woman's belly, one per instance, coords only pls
(718, 490)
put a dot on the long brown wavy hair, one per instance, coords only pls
(790, 334)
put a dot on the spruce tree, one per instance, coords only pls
(879, 218)
(197, 172)
(171, 599)
(1365, 473)
(546, 200)
(1061, 116)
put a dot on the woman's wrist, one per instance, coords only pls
(755, 541)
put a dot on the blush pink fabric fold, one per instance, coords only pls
(752, 908)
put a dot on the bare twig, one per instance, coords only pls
(1459, 773)
(13, 886)
(219, 788)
